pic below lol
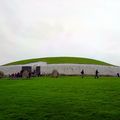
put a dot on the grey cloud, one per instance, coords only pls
(40, 28)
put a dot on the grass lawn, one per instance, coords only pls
(64, 98)
(58, 60)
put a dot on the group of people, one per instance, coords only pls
(34, 73)
(20, 74)
(15, 75)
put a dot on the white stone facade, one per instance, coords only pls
(75, 69)
(10, 69)
(64, 69)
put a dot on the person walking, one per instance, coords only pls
(96, 74)
(82, 73)
(118, 75)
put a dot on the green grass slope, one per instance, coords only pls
(58, 60)
(64, 98)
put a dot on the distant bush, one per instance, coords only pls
(25, 74)
(55, 74)
(1, 74)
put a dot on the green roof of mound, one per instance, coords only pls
(60, 60)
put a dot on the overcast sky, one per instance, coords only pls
(42, 28)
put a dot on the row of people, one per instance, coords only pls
(15, 75)
(31, 74)
(20, 74)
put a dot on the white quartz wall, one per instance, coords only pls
(17, 68)
(65, 69)
(10, 69)
(75, 69)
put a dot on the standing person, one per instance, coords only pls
(82, 73)
(118, 75)
(96, 74)
(29, 75)
(39, 74)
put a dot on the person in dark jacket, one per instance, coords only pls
(29, 75)
(118, 75)
(82, 73)
(96, 74)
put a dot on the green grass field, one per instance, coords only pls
(58, 60)
(64, 98)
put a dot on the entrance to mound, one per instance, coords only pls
(38, 70)
(27, 68)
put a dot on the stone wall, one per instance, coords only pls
(65, 69)
(17, 68)
(75, 69)
(10, 69)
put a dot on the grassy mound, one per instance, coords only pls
(64, 98)
(58, 60)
